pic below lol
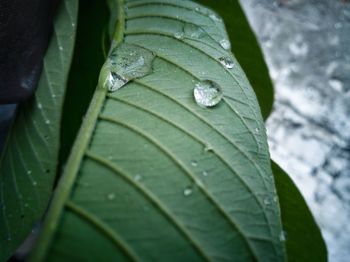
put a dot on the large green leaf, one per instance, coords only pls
(304, 241)
(154, 176)
(246, 49)
(28, 166)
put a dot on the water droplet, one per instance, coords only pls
(40, 106)
(207, 93)
(267, 201)
(194, 163)
(214, 17)
(137, 177)
(111, 196)
(197, 9)
(257, 130)
(193, 31)
(26, 205)
(283, 236)
(179, 35)
(275, 199)
(208, 148)
(34, 183)
(47, 121)
(205, 173)
(226, 62)
(225, 44)
(29, 172)
(126, 62)
(60, 47)
(187, 191)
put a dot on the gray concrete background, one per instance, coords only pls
(306, 44)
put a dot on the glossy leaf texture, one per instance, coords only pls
(28, 164)
(155, 176)
(304, 241)
(246, 49)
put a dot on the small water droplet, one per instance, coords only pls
(275, 199)
(39, 105)
(267, 201)
(47, 121)
(283, 236)
(197, 9)
(257, 130)
(208, 148)
(214, 17)
(60, 47)
(226, 62)
(205, 173)
(29, 172)
(179, 35)
(26, 205)
(207, 93)
(137, 177)
(34, 183)
(194, 163)
(73, 24)
(125, 62)
(111, 196)
(225, 44)
(187, 191)
(193, 31)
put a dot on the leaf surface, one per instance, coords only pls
(28, 165)
(154, 176)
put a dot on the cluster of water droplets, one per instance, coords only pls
(125, 62)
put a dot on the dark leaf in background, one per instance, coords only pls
(24, 35)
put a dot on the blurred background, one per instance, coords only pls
(306, 44)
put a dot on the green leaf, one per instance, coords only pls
(28, 166)
(154, 176)
(88, 58)
(246, 49)
(304, 241)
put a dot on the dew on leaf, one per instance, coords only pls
(225, 44)
(283, 236)
(207, 93)
(125, 62)
(179, 35)
(226, 62)
(193, 31)
(111, 196)
(187, 191)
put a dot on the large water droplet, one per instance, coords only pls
(125, 62)
(225, 44)
(207, 93)
(193, 31)
(187, 191)
(226, 62)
